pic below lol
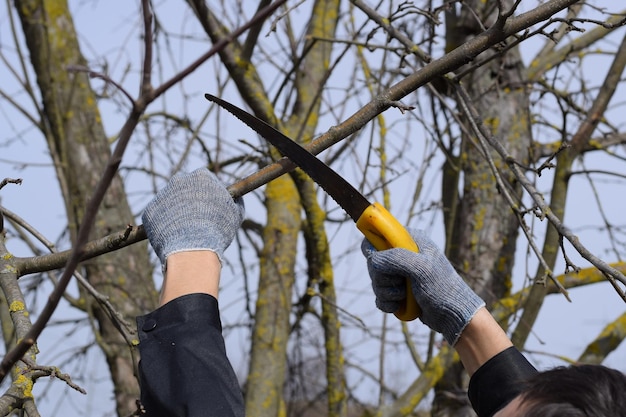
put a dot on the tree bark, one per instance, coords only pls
(484, 230)
(80, 149)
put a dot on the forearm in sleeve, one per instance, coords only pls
(499, 381)
(184, 370)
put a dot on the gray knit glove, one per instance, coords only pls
(193, 212)
(447, 302)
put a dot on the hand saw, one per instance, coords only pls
(380, 228)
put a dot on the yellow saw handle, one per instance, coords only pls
(383, 231)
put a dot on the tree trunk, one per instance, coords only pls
(80, 150)
(264, 393)
(268, 356)
(485, 228)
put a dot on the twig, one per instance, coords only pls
(400, 106)
(548, 162)
(6, 181)
(392, 31)
(104, 77)
(124, 327)
(483, 138)
(569, 265)
(37, 371)
(278, 18)
(611, 273)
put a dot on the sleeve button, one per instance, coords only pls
(149, 325)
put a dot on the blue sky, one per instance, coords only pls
(112, 30)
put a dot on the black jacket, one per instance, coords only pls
(499, 381)
(184, 370)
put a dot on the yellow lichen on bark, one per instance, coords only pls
(271, 330)
(25, 384)
(16, 306)
(321, 271)
(607, 341)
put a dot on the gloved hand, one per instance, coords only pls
(447, 302)
(194, 211)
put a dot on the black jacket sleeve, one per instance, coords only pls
(498, 381)
(184, 371)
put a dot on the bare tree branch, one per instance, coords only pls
(6, 181)
(611, 273)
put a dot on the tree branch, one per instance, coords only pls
(611, 273)
(77, 254)
(6, 181)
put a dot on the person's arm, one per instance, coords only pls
(189, 273)
(497, 369)
(184, 369)
(482, 339)
(447, 303)
(450, 307)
